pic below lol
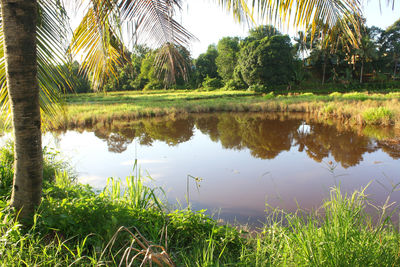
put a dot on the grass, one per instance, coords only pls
(123, 224)
(380, 115)
(353, 108)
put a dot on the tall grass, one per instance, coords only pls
(341, 233)
(134, 193)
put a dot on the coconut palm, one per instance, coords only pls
(366, 52)
(28, 55)
(98, 40)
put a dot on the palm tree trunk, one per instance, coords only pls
(19, 27)
(361, 71)
(324, 70)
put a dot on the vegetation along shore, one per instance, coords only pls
(352, 108)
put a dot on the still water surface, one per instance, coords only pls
(245, 161)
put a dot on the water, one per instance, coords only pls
(245, 161)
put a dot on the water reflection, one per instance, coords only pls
(264, 135)
(244, 159)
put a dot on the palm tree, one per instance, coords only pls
(21, 65)
(366, 52)
(27, 60)
(98, 39)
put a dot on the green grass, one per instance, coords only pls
(380, 115)
(77, 226)
(91, 109)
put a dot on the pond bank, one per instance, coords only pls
(350, 108)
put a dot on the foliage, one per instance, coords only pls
(210, 84)
(267, 61)
(205, 65)
(258, 88)
(52, 164)
(79, 82)
(233, 84)
(228, 51)
(260, 32)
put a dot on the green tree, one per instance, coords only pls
(228, 51)
(80, 83)
(367, 52)
(205, 65)
(390, 49)
(267, 62)
(260, 32)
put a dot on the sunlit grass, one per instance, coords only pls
(90, 109)
(380, 115)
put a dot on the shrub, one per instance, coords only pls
(210, 84)
(153, 85)
(232, 85)
(270, 95)
(258, 88)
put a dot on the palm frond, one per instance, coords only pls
(170, 64)
(300, 14)
(97, 40)
(155, 22)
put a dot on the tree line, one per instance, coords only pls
(267, 60)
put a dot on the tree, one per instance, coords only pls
(228, 51)
(19, 20)
(390, 48)
(366, 52)
(260, 32)
(205, 65)
(267, 62)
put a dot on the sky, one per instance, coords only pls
(209, 23)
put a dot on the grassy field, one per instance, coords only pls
(123, 225)
(353, 108)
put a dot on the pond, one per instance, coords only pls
(244, 160)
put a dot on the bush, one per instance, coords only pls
(210, 84)
(153, 85)
(258, 88)
(232, 85)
